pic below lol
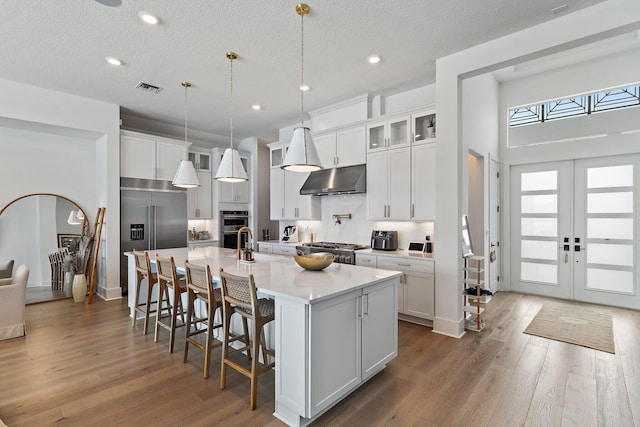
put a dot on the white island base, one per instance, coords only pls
(325, 351)
(334, 329)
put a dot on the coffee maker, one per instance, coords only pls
(290, 234)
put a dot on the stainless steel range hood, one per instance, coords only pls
(346, 180)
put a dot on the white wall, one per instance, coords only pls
(597, 22)
(92, 182)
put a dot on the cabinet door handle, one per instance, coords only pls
(413, 210)
(404, 265)
(365, 311)
(359, 304)
(282, 212)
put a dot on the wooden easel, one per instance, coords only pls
(97, 232)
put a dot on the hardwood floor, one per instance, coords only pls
(40, 294)
(83, 365)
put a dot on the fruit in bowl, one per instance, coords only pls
(316, 261)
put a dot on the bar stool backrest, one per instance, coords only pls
(239, 291)
(167, 270)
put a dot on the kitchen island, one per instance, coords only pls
(334, 329)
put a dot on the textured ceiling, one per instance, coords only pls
(61, 45)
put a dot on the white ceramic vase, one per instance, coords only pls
(79, 287)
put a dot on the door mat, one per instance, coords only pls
(581, 324)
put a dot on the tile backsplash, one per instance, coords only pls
(358, 228)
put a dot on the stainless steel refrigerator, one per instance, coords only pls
(153, 215)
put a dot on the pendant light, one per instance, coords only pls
(231, 169)
(301, 155)
(186, 176)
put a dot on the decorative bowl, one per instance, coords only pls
(316, 261)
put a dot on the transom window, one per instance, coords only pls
(610, 99)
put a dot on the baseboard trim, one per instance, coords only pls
(448, 327)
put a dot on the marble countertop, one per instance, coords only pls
(280, 276)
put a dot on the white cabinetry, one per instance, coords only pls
(342, 148)
(416, 292)
(284, 249)
(234, 192)
(423, 182)
(149, 157)
(389, 184)
(199, 198)
(389, 133)
(285, 198)
(332, 364)
(201, 161)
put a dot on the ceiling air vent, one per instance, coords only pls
(148, 87)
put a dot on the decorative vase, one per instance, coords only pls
(431, 132)
(68, 283)
(79, 287)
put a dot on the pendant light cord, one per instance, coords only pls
(186, 113)
(302, 70)
(231, 102)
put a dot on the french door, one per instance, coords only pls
(574, 230)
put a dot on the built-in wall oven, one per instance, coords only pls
(230, 223)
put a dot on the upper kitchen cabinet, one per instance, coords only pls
(423, 126)
(201, 161)
(149, 157)
(390, 133)
(342, 148)
(423, 182)
(277, 151)
(286, 201)
(389, 185)
(199, 198)
(234, 192)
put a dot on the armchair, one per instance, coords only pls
(12, 305)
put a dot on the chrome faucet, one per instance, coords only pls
(239, 245)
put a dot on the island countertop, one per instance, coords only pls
(280, 276)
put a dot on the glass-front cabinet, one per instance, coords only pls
(388, 134)
(424, 126)
(201, 161)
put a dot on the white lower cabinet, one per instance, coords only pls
(265, 248)
(350, 338)
(286, 249)
(416, 290)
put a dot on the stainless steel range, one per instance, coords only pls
(344, 252)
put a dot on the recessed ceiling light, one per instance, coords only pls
(113, 61)
(256, 107)
(304, 87)
(373, 59)
(149, 18)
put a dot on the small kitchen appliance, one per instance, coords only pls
(384, 240)
(290, 234)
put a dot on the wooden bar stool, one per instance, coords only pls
(200, 288)
(143, 272)
(239, 296)
(169, 304)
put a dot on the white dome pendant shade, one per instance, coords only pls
(302, 155)
(186, 176)
(231, 169)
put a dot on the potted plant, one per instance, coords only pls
(431, 126)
